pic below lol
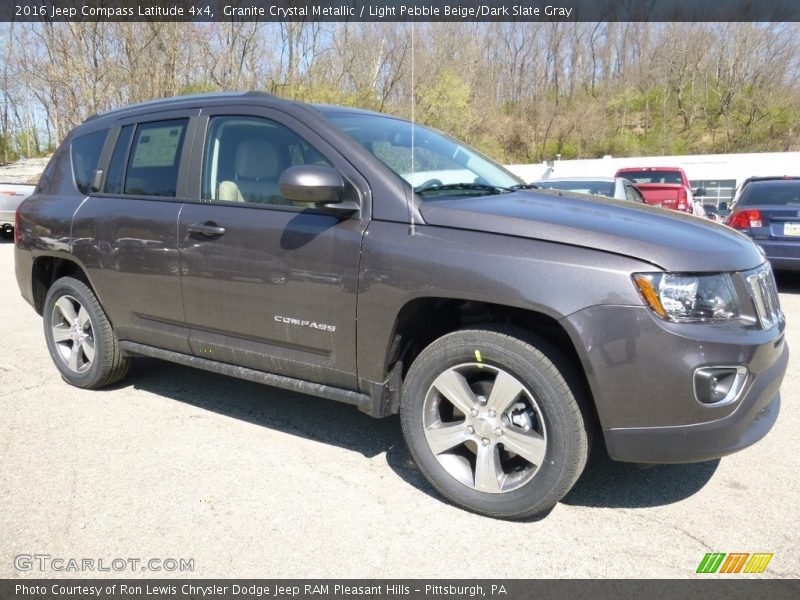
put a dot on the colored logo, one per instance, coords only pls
(734, 562)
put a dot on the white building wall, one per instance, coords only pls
(701, 167)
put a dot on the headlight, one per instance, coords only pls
(682, 297)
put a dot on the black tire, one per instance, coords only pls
(557, 434)
(90, 357)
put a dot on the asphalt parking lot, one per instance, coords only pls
(249, 481)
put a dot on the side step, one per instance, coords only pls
(362, 401)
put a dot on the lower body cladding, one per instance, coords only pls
(649, 377)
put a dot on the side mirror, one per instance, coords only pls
(314, 184)
(699, 192)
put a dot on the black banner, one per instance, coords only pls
(400, 10)
(738, 587)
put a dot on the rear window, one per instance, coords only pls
(597, 188)
(761, 193)
(154, 158)
(85, 152)
(652, 176)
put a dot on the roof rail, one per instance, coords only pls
(177, 100)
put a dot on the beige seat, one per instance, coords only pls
(257, 167)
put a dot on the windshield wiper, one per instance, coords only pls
(525, 186)
(469, 187)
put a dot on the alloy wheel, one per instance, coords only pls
(484, 427)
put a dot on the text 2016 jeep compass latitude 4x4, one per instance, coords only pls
(355, 256)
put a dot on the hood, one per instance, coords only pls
(671, 240)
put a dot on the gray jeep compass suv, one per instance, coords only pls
(365, 259)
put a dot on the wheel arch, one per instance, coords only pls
(46, 270)
(423, 320)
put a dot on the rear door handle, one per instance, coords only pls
(208, 229)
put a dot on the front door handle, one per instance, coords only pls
(208, 229)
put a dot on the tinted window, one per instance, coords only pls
(672, 177)
(761, 193)
(245, 156)
(598, 188)
(85, 154)
(116, 168)
(154, 158)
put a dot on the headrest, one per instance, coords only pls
(256, 158)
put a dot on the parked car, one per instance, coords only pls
(11, 196)
(717, 213)
(768, 210)
(663, 186)
(505, 328)
(612, 187)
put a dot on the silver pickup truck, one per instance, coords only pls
(11, 196)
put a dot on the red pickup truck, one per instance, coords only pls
(662, 186)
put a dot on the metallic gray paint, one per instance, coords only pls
(673, 241)
(438, 262)
(172, 293)
(640, 368)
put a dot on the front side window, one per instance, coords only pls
(85, 152)
(154, 158)
(435, 164)
(245, 156)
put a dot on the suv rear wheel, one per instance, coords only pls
(80, 338)
(492, 423)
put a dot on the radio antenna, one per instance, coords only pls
(412, 226)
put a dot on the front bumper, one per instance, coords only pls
(640, 371)
(754, 417)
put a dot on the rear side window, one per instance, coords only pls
(154, 158)
(85, 152)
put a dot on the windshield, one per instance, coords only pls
(652, 176)
(596, 188)
(435, 164)
(761, 193)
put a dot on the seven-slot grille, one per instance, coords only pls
(765, 296)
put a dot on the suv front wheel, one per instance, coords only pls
(492, 422)
(80, 338)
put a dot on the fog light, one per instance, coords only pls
(718, 386)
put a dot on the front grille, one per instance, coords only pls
(764, 292)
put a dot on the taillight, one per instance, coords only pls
(17, 226)
(744, 219)
(683, 200)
